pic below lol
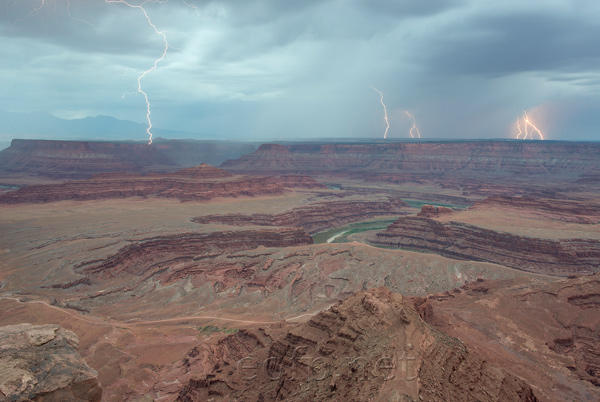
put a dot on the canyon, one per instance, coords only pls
(36, 161)
(425, 158)
(372, 346)
(463, 241)
(279, 274)
(377, 345)
(315, 217)
(198, 183)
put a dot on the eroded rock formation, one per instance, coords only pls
(372, 346)
(199, 183)
(152, 255)
(315, 217)
(479, 157)
(432, 210)
(548, 334)
(81, 159)
(463, 241)
(41, 363)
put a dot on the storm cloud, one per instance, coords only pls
(283, 69)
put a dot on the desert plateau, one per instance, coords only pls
(262, 279)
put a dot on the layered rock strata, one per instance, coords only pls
(467, 242)
(41, 363)
(156, 254)
(476, 157)
(432, 210)
(547, 334)
(315, 217)
(70, 160)
(199, 183)
(372, 346)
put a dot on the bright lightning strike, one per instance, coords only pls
(143, 74)
(414, 126)
(519, 128)
(527, 123)
(385, 116)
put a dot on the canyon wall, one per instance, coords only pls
(315, 217)
(426, 158)
(81, 159)
(372, 346)
(198, 183)
(154, 254)
(463, 241)
(548, 334)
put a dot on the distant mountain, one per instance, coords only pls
(41, 125)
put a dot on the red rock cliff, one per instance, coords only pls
(371, 347)
(199, 183)
(463, 241)
(479, 157)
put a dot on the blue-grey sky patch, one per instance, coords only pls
(271, 69)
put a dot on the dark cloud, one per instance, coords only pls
(272, 68)
(500, 45)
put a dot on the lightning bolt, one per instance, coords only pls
(144, 73)
(529, 123)
(385, 116)
(519, 128)
(414, 125)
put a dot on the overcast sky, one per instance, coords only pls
(258, 69)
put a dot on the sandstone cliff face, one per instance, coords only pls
(432, 210)
(155, 254)
(41, 363)
(547, 334)
(517, 158)
(315, 217)
(463, 241)
(199, 183)
(82, 159)
(583, 212)
(299, 181)
(372, 346)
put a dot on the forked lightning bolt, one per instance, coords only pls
(414, 126)
(161, 58)
(385, 115)
(528, 123)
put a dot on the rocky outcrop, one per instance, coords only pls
(463, 241)
(70, 160)
(426, 159)
(296, 181)
(41, 363)
(372, 346)
(315, 217)
(199, 183)
(583, 212)
(432, 210)
(412, 195)
(152, 255)
(548, 334)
